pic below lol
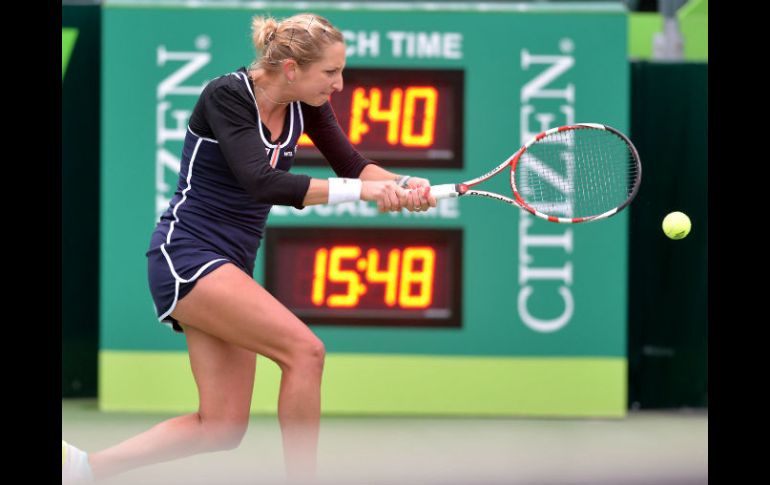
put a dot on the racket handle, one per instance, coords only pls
(444, 191)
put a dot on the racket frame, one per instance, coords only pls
(465, 188)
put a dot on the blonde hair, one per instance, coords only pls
(301, 37)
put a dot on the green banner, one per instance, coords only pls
(530, 289)
(365, 384)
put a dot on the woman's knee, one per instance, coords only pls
(308, 355)
(222, 435)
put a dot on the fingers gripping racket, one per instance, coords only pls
(570, 174)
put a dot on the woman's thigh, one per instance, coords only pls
(230, 305)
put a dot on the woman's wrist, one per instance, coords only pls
(344, 190)
(402, 180)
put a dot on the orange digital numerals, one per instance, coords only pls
(399, 114)
(407, 274)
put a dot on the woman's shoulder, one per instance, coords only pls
(235, 84)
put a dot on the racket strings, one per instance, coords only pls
(576, 173)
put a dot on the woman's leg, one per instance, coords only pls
(229, 304)
(224, 374)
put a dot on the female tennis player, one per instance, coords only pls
(241, 142)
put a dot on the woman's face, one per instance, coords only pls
(315, 82)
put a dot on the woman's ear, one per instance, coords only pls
(290, 70)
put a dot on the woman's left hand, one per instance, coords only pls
(419, 198)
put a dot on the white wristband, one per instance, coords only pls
(344, 190)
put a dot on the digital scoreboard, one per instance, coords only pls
(399, 117)
(371, 276)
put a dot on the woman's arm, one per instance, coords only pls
(388, 195)
(375, 172)
(317, 193)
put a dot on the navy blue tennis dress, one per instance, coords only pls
(232, 172)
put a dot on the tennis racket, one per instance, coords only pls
(577, 173)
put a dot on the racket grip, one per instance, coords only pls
(444, 191)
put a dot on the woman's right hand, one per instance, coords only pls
(388, 195)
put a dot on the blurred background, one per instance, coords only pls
(577, 355)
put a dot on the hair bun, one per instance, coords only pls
(310, 34)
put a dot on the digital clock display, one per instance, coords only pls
(399, 117)
(363, 276)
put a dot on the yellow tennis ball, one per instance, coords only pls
(676, 225)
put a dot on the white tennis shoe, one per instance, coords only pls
(74, 465)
